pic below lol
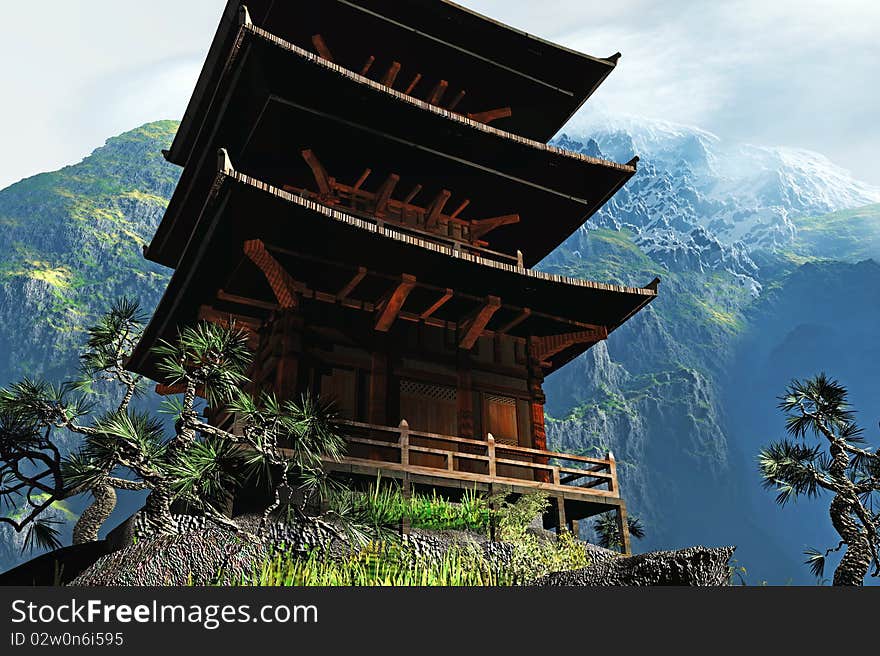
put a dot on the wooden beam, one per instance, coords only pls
(437, 92)
(412, 85)
(321, 47)
(437, 305)
(321, 177)
(525, 314)
(390, 76)
(361, 180)
(213, 315)
(473, 328)
(284, 287)
(433, 211)
(461, 208)
(368, 65)
(346, 291)
(485, 226)
(390, 307)
(412, 194)
(491, 115)
(245, 301)
(455, 101)
(384, 194)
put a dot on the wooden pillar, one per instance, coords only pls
(465, 396)
(623, 529)
(288, 326)
(560, 509)
(377, 410)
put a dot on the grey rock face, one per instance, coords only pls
(695, 566)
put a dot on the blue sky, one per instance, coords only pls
(774, 72)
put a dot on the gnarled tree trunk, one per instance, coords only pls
(92, 518)
(856, 561)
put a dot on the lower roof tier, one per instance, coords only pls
(277, 102)
(485, 64)
(257, 248)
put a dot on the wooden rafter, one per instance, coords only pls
(226, 319)
(435, 209)
(474, 327)
(522, 316)
(482, 227)
(437, 92)
(443, 300)
(323, 180)
(491, 115)
(384, 194)
(361, 180)
(346, 291)
(455, 101)
(545, 347)
(368, 65)
(412, 85)
(461, 208)
(321, 47)
(284, 287)
(391, 305)
(412, 194)
(391, 74)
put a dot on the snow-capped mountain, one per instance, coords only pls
(702, 200)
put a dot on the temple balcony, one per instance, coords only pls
(579, 487)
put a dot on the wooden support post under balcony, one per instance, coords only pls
(390, 307)
(474, 327)
(435, 209)
(322, 179)
(284, 287)
(491, 115)
(321, 47)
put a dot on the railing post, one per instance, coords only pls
(491, 452)
(405, 522)
(612, 469)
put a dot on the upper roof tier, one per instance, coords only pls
(433, 49)
(276, 100)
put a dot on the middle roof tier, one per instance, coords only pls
(266, 113)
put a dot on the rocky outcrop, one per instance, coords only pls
(696, 566)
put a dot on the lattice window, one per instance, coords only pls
(428, 391)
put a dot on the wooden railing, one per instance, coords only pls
(445, 456)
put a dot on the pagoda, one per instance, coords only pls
(366, 187)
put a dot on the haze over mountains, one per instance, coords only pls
(766, 260)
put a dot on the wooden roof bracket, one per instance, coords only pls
(473, 327)
(284, 287)
(443, 300)
(541, 348)
(321, 47)
(483, 227)
(346, 291)
(390, 306)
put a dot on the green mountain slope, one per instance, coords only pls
(849, 235)
(72, 241)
